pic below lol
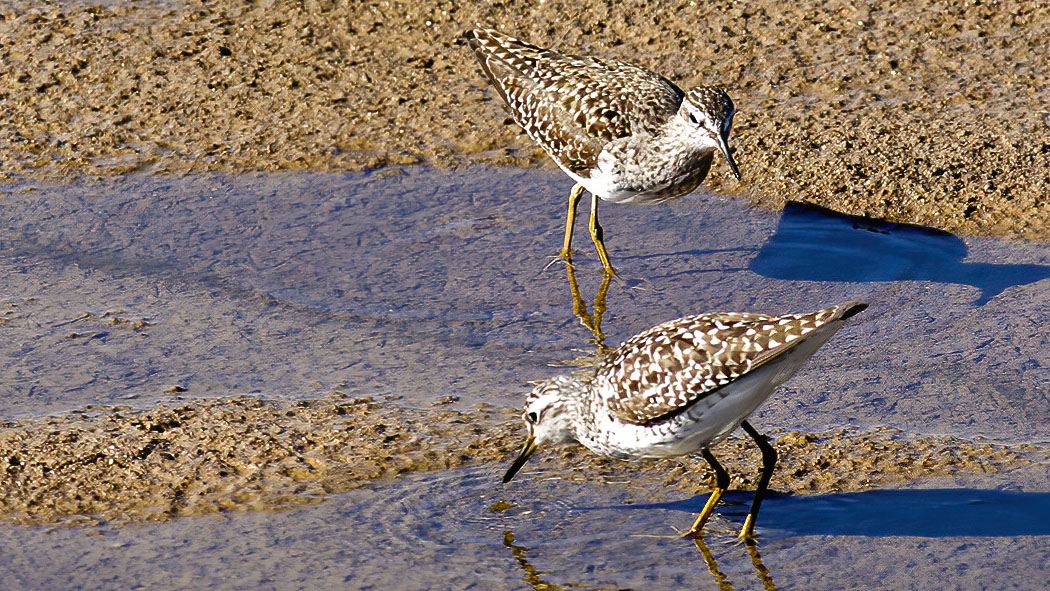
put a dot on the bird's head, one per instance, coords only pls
(709, 111)
(550, 413)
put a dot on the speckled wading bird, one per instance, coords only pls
(679, 387)
(622, 132)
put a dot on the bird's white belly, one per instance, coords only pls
(607, 180)
(609, 188)
(600, 183)
(706, 422)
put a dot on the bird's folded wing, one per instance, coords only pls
(664, 370)
(573, 106)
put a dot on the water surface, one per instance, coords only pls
(415, 285)
(299, 283)
(440, 532)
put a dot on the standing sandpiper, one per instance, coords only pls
(622, 132)
(679, 387)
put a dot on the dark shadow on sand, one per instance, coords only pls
(813, 243)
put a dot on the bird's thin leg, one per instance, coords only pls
(769, 462)
(721, 484)
(570, 222)
(597, 236)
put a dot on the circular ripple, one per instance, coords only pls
(542, 529)
(468, 506)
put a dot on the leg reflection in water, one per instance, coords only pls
(721, 578)
(533, 576)
(591, 321)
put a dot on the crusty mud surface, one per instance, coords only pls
(115, 464)
(934, 113)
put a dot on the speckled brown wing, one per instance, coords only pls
(667, 368)
(573, 106)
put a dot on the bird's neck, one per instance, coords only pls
(584, 407)
(676, 147)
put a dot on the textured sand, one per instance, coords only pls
(934, 114)
(119, 464)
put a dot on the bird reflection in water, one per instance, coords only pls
(532, 575)
(534, 578)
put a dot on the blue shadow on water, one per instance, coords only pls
(814, 243)
(929, 513)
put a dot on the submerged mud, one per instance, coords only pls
(932, 114)
(116, 464)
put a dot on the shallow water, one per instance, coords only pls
(416, 285)
(298, 284)
(440, 531)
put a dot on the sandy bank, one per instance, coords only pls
(932, 114)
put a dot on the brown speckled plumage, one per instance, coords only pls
(661, 382)
(679, 387)
(663, 370)
(622, 132)
(571, 105)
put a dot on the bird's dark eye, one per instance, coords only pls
(531, 417)
(693, 119)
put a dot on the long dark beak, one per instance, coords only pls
(723, 144)
(526, 451)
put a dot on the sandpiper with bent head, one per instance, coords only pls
(680, 387)
(622, 132)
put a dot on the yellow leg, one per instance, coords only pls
(769, 462)
(597, 236)
(570, 222)
(721, 484)
(599, 311)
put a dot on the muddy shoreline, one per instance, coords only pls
(119, 465)
(932, 114)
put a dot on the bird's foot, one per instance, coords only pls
(693, 533)
(564, 255)
(656, 536)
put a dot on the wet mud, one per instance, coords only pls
(120, 465)
(933, 114)
(136, 318)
